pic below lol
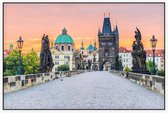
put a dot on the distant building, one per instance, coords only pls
(126, 57)
(159, 58)
(62, 50)
(7, 52)
(90, 53)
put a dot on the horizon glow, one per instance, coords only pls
(82, 21)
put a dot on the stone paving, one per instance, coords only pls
(90, 90)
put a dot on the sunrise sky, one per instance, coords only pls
(82, 21)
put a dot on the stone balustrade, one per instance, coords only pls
(153, 82)
(18, 82)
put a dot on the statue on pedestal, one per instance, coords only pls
(138, 54)
(46, 61)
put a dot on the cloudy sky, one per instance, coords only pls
(82, 21)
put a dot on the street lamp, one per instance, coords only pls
(153, 44)
(20, 45)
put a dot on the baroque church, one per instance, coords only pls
(108, 45)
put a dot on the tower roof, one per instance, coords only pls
(106, 26)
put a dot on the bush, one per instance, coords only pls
(63, 67)
(8, 73)
(161, 73)
(127, 69)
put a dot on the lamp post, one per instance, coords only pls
(20, 45)
(153, 44)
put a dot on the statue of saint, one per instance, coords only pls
(138, 54)
(46, 61)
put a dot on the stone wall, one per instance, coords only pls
(18, 82)
(153, 82)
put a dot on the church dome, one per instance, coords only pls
(64, 38)
(90, 47)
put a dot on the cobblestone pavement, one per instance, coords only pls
(90, 90)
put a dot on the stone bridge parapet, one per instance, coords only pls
(18, 82)
(153, 82)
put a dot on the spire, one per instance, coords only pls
(99, 32)
(116, 29)
(95, 45)
(82, 48)
(106, 25)
(52, 44)
(11, 46)
(64, 31)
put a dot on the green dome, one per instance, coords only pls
(64, 38)
(90, 47)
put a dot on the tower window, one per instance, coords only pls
(57, 57)
(103, 43)
(110, 43)
(69, 48)
(62, 48)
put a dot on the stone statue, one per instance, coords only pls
(46, 61)
(138, 54)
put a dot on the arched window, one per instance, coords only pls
(62, 48)
(69, 48)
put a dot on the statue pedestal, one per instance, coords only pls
(140, 70)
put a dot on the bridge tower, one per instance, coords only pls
(108, 44)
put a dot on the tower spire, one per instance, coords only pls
(82, 48)
(52, 43)
(11, 46)
(116, 29)
(95, 45)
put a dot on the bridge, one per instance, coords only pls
(89, 90)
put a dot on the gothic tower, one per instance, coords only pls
(108, 44)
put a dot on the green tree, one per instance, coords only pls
(127, 69)
(161, 72)
(149, 66)
(11, 63)
(63, 67)
(31, 63)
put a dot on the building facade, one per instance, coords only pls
(90, 54)
(62, 50)
(159, 58)
(108, 44)
(126, 57)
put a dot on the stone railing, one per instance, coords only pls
(18, 82)
(153, 82)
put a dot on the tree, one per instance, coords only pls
(127, 69)
(11, 63)
(161, 72)
(63, 67)
(31, 63)
(149, 66)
